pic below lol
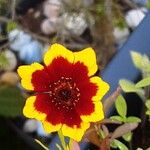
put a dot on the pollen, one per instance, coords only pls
(64, 93)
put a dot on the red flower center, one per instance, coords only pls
(64, 93)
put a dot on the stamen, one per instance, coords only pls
(65, 93)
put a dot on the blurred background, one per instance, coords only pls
(28, 27)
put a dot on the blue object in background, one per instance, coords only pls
(121, 65)
(18, 39)
(32, 52)
(141, 2)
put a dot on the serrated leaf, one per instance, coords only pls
(117, 118)
(121, 106)
(11, 25)
(133, 119)
(128, 136)
(11, 101)
(143, 82)
(147, 104)
(137, 59)
(119, 145)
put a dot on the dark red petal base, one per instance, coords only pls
(64, 92)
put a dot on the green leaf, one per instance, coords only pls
(143, 82)
(117, 144)
(148, 148)
(137, 59)
(148, 4)
(11, 25)
(128, 136)
(133, 119)
(148, 112)
(11, 101)
(128, 87)
(117, 118)
(3, 60)
(147, 103)
(121, 106)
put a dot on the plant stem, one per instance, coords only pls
(62, 139)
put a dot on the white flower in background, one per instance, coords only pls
(52, 8)
(121, 35)
(32, 52)
(134, 17)
(75, 23)
(18, 39)
(49, 26)
(30, 125)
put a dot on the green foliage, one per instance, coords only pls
(128, 87)
(58, 147)
(3, 4)
(144, 82)
(121, 106)
(141, 62)
(147, 104)
(102, 134)
(148, 4)
(11, 25)
(3, 60)
(117, 118)
(100, 8)
(119, 22)
(62, 139)
(132, 119)
(11, 101)
(128, 136)
(117, 144)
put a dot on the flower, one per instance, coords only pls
(66, 94)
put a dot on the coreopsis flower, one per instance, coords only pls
(66, 94)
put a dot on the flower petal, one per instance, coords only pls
(25, 72)
(55, 51)
(88, 58)
(102, 88)
(74, 132)
(48, 127)
(97, 115)
(30, 111)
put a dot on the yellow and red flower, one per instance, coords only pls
(67, 95)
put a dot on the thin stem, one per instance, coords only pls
(70, 143)
(13, 11)
(62, 139)
(41, 144)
